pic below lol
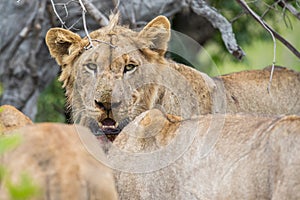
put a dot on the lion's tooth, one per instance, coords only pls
(105, 127)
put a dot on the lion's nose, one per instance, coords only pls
(105, 106)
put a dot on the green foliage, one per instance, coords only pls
(2, 172)
(25, 188)
(259, 53)
(22, 190)
(246, 29)
(1, 88)
(9, 142)
(51, 104)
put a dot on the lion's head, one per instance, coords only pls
(97, 80)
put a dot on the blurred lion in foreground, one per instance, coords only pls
(160, 156)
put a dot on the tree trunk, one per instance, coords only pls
(25, 65)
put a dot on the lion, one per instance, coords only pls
(119, 73)
(57, 163)
(233, 156)
(54, 159)
(11, 118)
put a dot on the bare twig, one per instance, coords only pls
(86, 6)
(290, 8)
(117, 5)
(94, 12)
(57, 15)
(101, 41)
(73, 25)
(84, 25)
(253, 14)
(237, 17)
(200, 7)
(270, 7)
(276, 35)
(65, 6)
(286, 19)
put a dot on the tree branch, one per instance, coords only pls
(95, 13)
(249, 10)
(266, 26)
(200, 7)
(23, 75)
(269, 8)
(57, 15)
(84, 25)
(290, 8)
(14, 45)
(273, 34)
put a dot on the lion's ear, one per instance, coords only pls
(62, 43)
(158, 32)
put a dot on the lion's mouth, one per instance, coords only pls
(107, 128)
(110, 128)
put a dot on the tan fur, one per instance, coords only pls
(158, 83)
(56, 160)
(247, 91)
(229, 157)
(11, 118)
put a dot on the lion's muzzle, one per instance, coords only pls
(107, 124)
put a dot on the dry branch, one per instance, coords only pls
(25, 67)
(95, 13)
(249, 10)
(200, 7)
(57, 15)
(290, 8)
(265, 25)
(273, 34)
(84, 25)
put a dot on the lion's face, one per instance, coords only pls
(101, 87)
(109, 84)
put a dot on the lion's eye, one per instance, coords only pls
(91, 66)
(129, 67)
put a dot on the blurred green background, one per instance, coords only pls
(259, 52)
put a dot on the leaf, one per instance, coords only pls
(2, 172)
(9, 142)
(24, 189)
